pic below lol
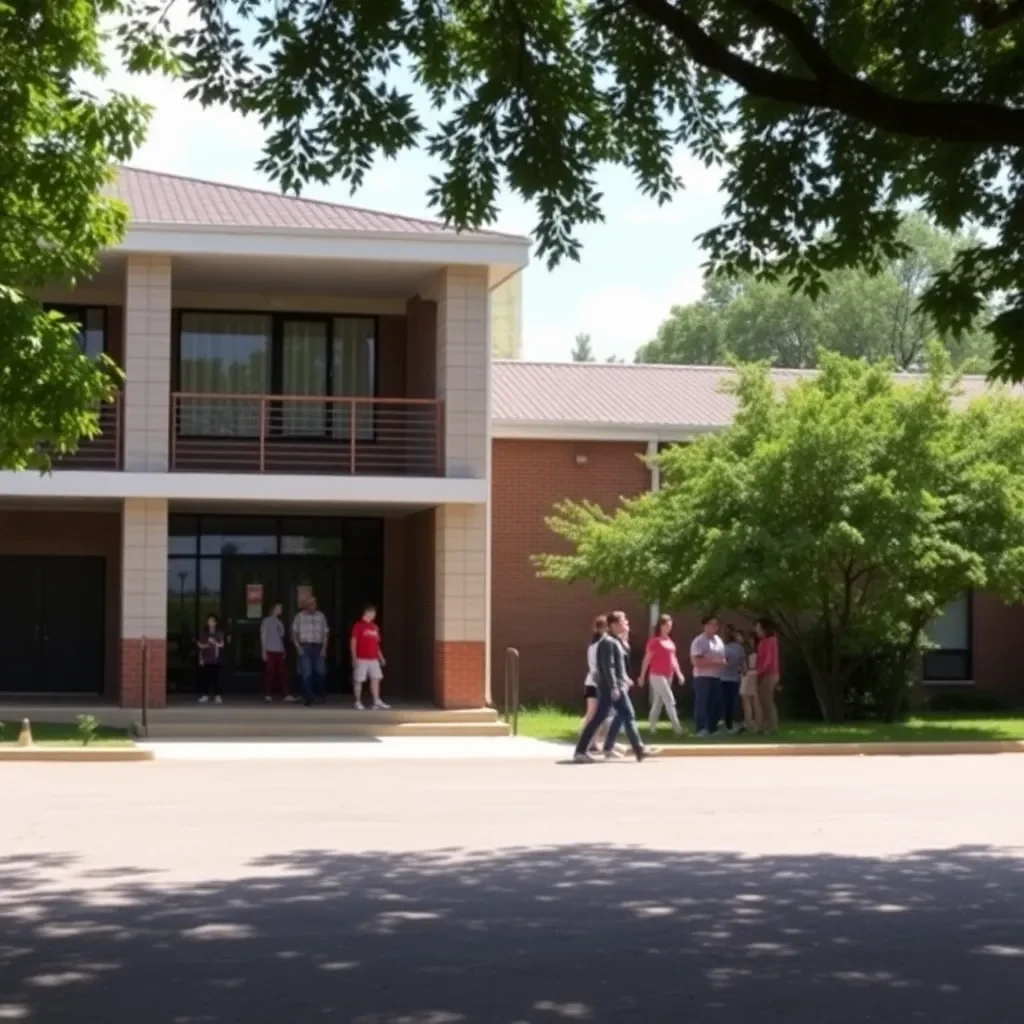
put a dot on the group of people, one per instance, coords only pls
(735, 682)
(310, 636)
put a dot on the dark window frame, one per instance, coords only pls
(933, 675)
(276, 375)
(76, 311)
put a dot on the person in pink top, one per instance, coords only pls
(661, 664)
(767, 674)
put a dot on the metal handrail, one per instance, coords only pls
(512, 688)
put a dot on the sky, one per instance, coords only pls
(632, 270)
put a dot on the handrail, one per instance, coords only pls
(256, 396)
(512, 687)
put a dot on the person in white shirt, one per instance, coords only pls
(707, 653)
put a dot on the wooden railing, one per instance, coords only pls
(306, 434)
(102, 451)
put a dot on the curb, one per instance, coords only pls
(909, 748)
(104, 754)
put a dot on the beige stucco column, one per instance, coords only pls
(462, 566)
(144, 601)
(147, 363)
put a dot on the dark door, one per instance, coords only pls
(21, 625)
(72, 624)
(249, 586)
(52, 624)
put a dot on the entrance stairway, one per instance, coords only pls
(259, 721)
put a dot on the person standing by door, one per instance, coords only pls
(707, 653)
(367, 659)
(210, 644)
(310, 634)
(275, 671)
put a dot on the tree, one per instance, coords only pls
(57, 146)
(849, 508)
(876, 317)
(829, 116)
(582, 350)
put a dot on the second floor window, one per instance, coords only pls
(92, 326)
(239, 354)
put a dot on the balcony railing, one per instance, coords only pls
(306, 434)
(102, 451)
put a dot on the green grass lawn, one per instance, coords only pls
(59, 734)
(550, 723)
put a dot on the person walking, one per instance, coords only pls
(768, 673)
(275, 671)
(590, 688)
(310, 634)
(611, 671)
(367, 659)
(732, 675)
(210, 644)
(707, 653)
(661, 666)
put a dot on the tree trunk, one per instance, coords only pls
(828, 689)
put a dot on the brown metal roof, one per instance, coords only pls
(626, 395)
(167, 199)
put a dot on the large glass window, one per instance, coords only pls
(304, 372)
(92, 327)
(354, 372)
(950, 659)
(224, 354)
(238, 535)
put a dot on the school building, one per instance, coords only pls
(310, 407)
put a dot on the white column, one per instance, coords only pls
(147, 363)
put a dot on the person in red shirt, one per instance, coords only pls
(768, 673)
(661, 664)
(367, 659)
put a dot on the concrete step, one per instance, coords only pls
(313, 728)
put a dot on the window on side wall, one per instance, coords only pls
(949, 660)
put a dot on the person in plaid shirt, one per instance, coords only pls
(310, 633)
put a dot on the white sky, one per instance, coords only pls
(633, 268)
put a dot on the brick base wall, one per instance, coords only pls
(132, 675)
(459, 674)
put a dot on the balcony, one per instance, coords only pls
(303, 434)
(102, 451)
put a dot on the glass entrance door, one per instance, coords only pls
(251, 586)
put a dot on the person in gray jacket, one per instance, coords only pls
(611, 679)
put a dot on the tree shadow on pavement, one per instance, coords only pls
(567, 934)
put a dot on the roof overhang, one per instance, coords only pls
(623, 432)
(503, 255)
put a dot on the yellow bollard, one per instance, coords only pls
(25, 736)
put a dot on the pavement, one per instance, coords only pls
(513, 891)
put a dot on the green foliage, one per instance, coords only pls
(58, 143)
(87, 726)
(582, 349)
(850, 508)
(828, 116)
(873, 317)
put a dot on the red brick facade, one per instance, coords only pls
(549, 622)
(459, 674)
(143, 663)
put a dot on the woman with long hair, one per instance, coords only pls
(590, 691)
(661, 663)
(752, 721)
(767, 673)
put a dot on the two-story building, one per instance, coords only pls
(305, 410)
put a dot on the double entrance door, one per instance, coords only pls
(250, 588)
(52, 624)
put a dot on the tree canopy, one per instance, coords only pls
(875, 317)
(58, 143)
(849, 508)
(828, 116)
(582, 349)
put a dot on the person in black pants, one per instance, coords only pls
(210, 644)
(611, 694)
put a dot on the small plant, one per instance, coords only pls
(2, 727)
(88, 726)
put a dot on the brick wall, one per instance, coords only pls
(549, 622)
